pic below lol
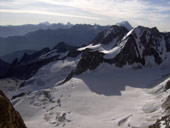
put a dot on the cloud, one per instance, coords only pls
(146, 12)
(47, 13)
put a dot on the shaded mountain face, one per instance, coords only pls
(9, 58)
(3, 68)
(29, 64)
(167, 39)
(9, 117)
(114, 33)
(77, 35)
(143, 45)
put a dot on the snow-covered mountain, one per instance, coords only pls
(141, 47)
(121, 80)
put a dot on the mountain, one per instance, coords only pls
(29, 64)
(20, 30)
(9, 117)
(9, 58)
(76, 35)
(141, 47)
(120, 79)
(125, 24)
(3, 68)
(113, 34)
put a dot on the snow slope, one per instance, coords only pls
(106, 97)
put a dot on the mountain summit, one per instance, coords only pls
(125, 24)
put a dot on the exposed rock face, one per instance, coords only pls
(128, 55)
(141, 45)
(9, 117)
(166, 105)
(167, 39)
(107, 36)
(164, 122)
(90, 60)
(167, 86)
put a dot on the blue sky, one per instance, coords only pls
(148, 13)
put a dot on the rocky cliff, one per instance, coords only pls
(9, 117)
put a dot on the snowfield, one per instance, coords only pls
(106, 97)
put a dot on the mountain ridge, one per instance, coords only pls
(76, 35)
(114, 81)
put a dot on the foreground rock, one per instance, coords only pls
(9, 117)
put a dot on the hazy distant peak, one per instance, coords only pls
(45, 23)
(125, 24)
(69, 24)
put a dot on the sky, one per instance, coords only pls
(149, 13)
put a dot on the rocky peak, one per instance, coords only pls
(62, 47)
(125, 24)
(113, 34)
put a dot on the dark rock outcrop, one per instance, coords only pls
(3, 68)
(167, 86)
(128, 54)
(166, 105)
(165, 121)
(9, 117)
(167, 40)
(107, 36)
(90, 60)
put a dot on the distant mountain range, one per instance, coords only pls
(74, 35)
(20, 30)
